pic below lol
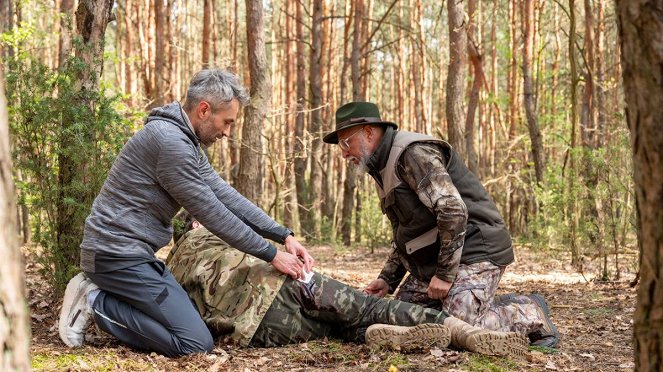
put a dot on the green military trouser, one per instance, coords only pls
(325, 307)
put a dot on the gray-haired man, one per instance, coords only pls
(130, 293)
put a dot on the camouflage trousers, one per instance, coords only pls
(325, 307)
(472, 299)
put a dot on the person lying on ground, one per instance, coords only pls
(250, 303)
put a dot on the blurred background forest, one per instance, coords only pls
(528, 91)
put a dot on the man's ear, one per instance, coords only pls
(195, 225)
(204, 110)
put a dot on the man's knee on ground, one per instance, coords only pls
(203, 343)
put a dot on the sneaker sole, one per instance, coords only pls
(71, 296)
(405, 338)
(509, 344)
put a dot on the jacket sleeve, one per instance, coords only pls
(241, 207)
(393, 270)
(423, 168)
(179, 173)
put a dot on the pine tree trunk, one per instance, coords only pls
(528, 92)
(92, 18)
(456, 77)
(251, 153)
(161, 53)
(14, 320)
(301, 133)
(641, 37)
(315, 84)
(477, 70)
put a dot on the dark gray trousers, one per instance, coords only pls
(145, 308)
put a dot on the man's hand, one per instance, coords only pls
(438, 289)
(378, 287)
(293, 246)
(288, 264)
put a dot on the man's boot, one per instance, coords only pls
(547, 335)
(483, 341)
(406, 338)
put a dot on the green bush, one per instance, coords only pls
(64, 140)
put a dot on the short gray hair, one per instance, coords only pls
(216, 86)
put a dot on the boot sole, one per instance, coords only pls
(407, 338)
(509, 344)
(71, 296)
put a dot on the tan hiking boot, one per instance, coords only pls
(484, 341)
(407, 338)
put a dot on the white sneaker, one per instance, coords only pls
(76, 315)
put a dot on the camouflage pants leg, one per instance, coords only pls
(325, 307)
(471, 298)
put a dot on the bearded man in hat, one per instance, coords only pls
(447, 232)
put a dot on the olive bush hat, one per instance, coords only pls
(353, 114)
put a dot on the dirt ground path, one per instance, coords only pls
(594, 319)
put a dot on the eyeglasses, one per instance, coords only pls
(343, 144)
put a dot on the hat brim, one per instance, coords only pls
(332, 137)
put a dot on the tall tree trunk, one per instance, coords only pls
(15, 329)
(571, 214)
(315, 84)
(161, 52)
(350, 184)
(66, 28)
(92, 18)
(477, 69)
(207, 31)
(641, 33)
(528, 92)
(456, 76)
(250, 170)
(301, 134)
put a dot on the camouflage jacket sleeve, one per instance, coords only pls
(393, 270)
(423, 168)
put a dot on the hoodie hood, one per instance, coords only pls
(174, 114)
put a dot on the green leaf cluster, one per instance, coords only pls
(64, 138)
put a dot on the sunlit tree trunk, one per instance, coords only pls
(315, 91)
(571, 213)
(302, 149)
(456, 77)
(66, 28)
(92, 18)
(251, 153)
(476, 59)
(528, 92)
(207, 27)
(14, 318)
(641, 33)
(161, 51)
(349, 185)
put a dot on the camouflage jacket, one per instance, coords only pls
(231, 289)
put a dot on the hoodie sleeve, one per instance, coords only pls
(179, 174)
(241, 207)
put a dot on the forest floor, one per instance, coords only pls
(594, 319)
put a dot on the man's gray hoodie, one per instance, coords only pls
(160, 169)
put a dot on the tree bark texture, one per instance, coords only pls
(456, 77)
(301, 132)
(14, 321)
(92, 17)
(476, 59)
(250, 167)
(641, 32)
(528, 92)
(315, 123)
